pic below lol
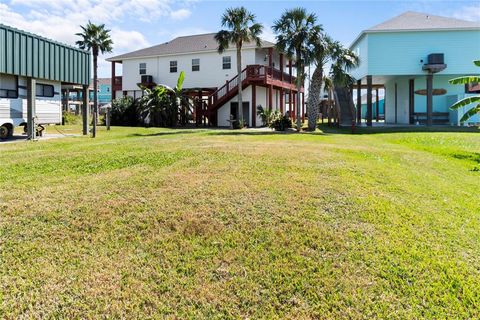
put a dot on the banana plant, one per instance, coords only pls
(162, 104)
(468, 100)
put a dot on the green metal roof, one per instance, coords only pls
(29, 55)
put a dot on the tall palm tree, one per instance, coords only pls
(296, 32)
(95, 38)
(342, 60)
(321, 54)
(242, 27)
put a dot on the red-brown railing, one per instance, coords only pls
(254, 72)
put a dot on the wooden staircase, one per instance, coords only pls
(253, 74)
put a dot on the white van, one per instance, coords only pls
(13, 103)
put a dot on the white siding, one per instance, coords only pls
(211, 74)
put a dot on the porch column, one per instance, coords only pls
(270, 104)
(377, 108)
(369, 101)
(281, 68)
(85, 110)
(359, 102)
(290, 70)
(254, 105)
(270, 60)
(31, 112)
(282, 95)
(290, 103)
(114, 94)
(303, 107)
(429, 99)
(294, 111)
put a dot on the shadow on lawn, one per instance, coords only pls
(397, 129)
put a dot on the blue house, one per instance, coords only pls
(104, 91)
(411, 57)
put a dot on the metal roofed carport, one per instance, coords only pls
(23, 54)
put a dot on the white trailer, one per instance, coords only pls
(13, 103)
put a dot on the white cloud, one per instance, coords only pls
(60, 20)
(180, 14)
(471, 13)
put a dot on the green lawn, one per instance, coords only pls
(153, 223)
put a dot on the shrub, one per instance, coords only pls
(266, 115)
(124, 112)
(280, 122)
(71, 118)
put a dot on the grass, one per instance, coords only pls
(158, 223)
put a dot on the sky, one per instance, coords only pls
(137, 24)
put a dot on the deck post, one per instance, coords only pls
(270, 98)
(114, 95)
(303, 107)
(85, 110)
(290, 103)
(254, 105)
(429, 99)
(359, 102)
(369, 101)
(294, 111)
(281, 67)
(31, 112)
(282, 100)
(377, 107)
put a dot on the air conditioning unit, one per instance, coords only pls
(435, 58)
(147, 79)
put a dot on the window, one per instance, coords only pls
(195, 64)
(6, 93)
(142, 68)
(173, 66)
(227, 62)
(44, 90)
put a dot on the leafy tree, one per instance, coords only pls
(242, 27)
(296, 33)
(468, 100)
(97, 39)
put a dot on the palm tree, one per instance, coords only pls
(321, 54)
(468, 100)
(296, 31)
(95, 38)
(242, 27)
(342, 60)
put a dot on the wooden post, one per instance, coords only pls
(270, 98)
(282, 100)
(377, 107)
(303, 107)
(369, 101)
(107, 117)
(254, 105)
(359, 102)
(429, 99)
(294, 113)
(113, 81)
(281, 67)
(270, 60)
(31, 112)
(85, 110)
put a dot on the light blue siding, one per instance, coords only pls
(361, 49)
(400, 53)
